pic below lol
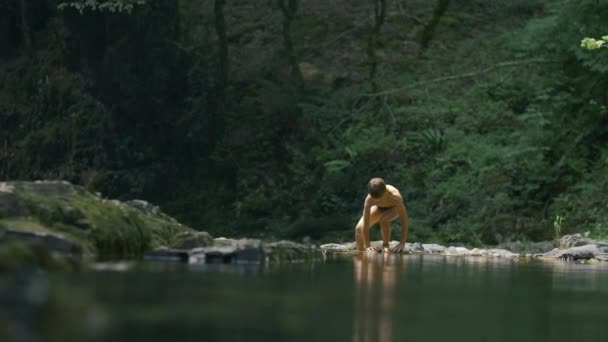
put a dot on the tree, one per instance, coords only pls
(372, 41)
(223, 62)
(24, 20)
(429, 29)
(289, 9)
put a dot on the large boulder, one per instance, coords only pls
(432, 248)
(50, 241)
(499, 252)
(478, 252)
(577, 240)
(55, 213)
(456, 251)
(335, 247)
(190, 240)
(592, 251)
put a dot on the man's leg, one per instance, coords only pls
(362, 237)
(385, 225)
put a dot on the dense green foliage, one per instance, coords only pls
(493, 130)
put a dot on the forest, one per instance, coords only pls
(267, 118)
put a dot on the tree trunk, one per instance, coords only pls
(24, 21)
(372, 41)
(289, 9)
(217, 101)
(223, 62)
(429, 30)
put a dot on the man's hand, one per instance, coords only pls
(400, 247)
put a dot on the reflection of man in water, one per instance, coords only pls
(382, 205)
(374, 297)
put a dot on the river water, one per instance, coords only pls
(369, 297)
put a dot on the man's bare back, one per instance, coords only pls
(382, 205)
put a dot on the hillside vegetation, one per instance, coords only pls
(267, 118)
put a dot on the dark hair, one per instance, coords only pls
(376, 187)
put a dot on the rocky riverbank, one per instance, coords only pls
(54, 224)
(569, 247)
(57, 225)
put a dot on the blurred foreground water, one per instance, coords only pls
(371, 297)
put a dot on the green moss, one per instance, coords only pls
(25, 224)
(32, 224)
(108, 228)
(17, 256)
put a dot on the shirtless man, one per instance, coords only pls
(382, 204)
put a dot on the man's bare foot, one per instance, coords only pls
(371, 249)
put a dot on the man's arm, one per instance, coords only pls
(367, 207)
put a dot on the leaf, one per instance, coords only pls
(336, 165)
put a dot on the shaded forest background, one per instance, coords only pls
(267, 118)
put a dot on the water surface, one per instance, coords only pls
(370, 297)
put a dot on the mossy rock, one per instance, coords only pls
(190, 240)
(100, 227)
(15, 256)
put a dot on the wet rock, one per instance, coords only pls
(478, 252)
(351, 246)
(498, 252)
(238, 243)
(334, 247)
(228, 254)
(50, 241)
(432, 248)
(417, 247)
(378, 244)
(577, 240)
(165, 254)
(120, 266)
(550, 254)
(254, 251)
(6, 187)
(577, 253)
(407, 247)
(602, 256)
(225, 250)
(190, 240)
(456, 251)
(214, 254)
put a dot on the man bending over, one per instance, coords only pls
(382, 205)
